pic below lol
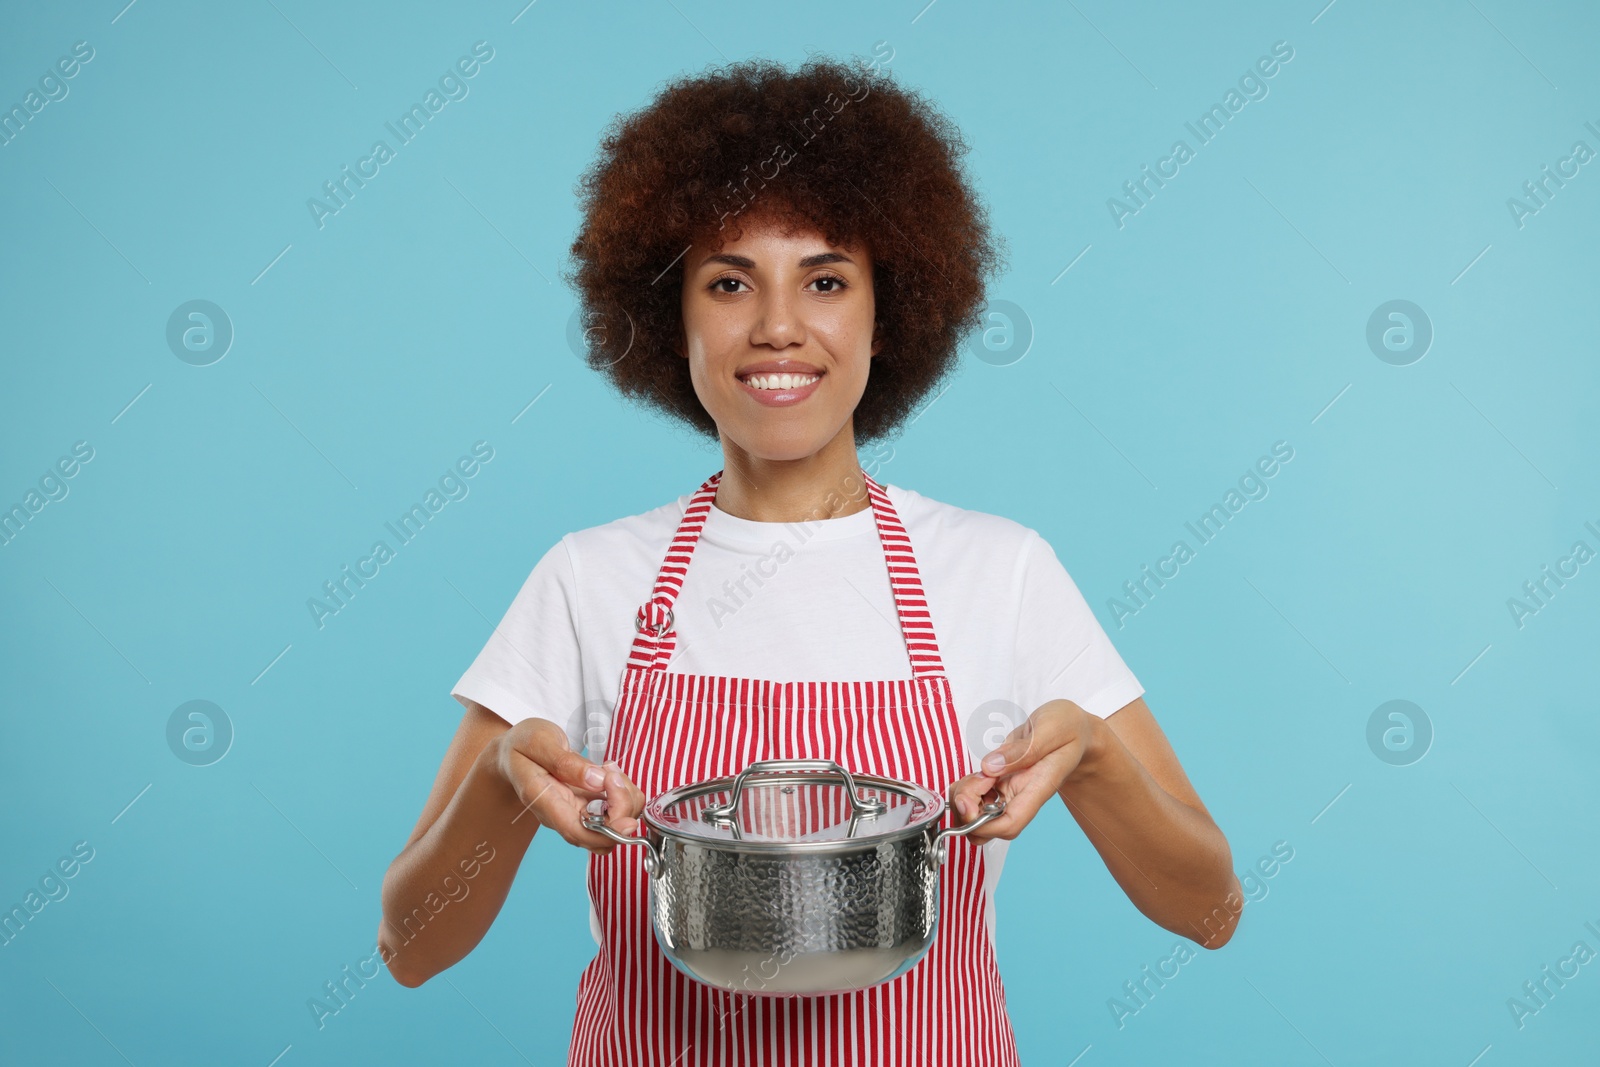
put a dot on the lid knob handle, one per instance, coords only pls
(860, 805)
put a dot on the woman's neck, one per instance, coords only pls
(827, 484)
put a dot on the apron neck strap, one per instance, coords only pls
(655, 635)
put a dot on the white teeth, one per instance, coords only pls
(780, 381)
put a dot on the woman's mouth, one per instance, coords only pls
(780, 390)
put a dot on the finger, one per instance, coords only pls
(624, 800)
(571, 823)
(1050, 726)
(547, 745)
(967, 795)
(533, 786)
(1024, 793)
(554, 804)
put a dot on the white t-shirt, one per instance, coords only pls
(804, 602)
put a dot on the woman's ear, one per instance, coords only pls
(877, 337)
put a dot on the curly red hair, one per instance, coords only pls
(836, 147)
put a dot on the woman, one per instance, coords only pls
(788, 262)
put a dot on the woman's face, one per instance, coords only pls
(772, 304)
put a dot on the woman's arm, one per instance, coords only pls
(470, 803)
(1135, 804)
(496, 785)
(1121, 781)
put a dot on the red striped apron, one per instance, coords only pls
(670, 729)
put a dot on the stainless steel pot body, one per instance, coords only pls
(802, 917)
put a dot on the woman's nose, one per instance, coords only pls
(778, 322)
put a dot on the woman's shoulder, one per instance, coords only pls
(961, 548)
(645, 529)
(956, 527)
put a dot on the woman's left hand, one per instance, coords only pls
(1037, 759)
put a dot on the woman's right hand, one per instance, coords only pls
(554, 784)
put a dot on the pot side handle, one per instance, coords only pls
(652, 861)
(936, 851)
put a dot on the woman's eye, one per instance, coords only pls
(827, 283)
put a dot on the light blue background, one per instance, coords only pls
(1227, 315)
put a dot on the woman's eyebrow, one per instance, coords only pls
(747, 263)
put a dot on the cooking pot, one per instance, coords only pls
(794, 877)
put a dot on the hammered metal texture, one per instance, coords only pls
(852, 919)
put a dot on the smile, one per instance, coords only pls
(780, 381)
(780, 390)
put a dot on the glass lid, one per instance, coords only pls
(786, 803)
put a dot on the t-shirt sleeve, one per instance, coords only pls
(531, 666)
(1063, 653)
